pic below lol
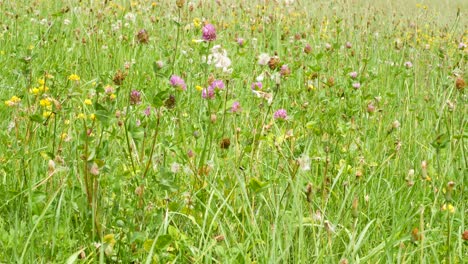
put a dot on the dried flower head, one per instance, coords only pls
(143, 36)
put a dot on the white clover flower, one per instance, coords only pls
(263, 59)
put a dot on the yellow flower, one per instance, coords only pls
(41, 81)
(449, 208)
(14, 100)
(199, 88)
(64, 136)
(112, 97)
(67, 122)
(88, 102)
(74, 77)
(92, 117)
(45, 102)
(47, 114)
(34, 91)
(81, 116)
(196, 22)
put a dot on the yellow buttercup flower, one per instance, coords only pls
(74, 77)
(199, 88)
(14, 100)
(88, 102)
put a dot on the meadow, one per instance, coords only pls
(233, 131)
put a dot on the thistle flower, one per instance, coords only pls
(209, 32)
(280, 114)
(178, 83)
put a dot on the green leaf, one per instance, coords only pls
(37, 118)
(256, 185)
(163, 241)
(74, 257)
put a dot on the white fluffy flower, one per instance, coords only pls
(219, 58)
(263, 59)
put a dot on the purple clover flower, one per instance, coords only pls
(280, 114)
(209, 32)
(353, 74)
(135, 97)
(208, 93)
(356, 85)
(257, 86)
(178, 82)
(235, 107)
(217, 85)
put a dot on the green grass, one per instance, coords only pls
(375, 174)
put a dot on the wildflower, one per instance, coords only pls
(448, 207)
(219, 58)
(280, 114)
(47, 114)
(180, 3)
(395, 124)
(304, 162)
(81, 116)
(196, 22)
(353, 74)
(266, 96)
(263, 59)
(208, 93)
(356, 85)
(225, 143)
(408, 65)
(328, 46)
(178, 83)
(74, 77)
(14, 101)
(307, 49)
(370, 108)
(175, 167)
(235, 108)
(147, 111)
(217, 85)
(240, 42)
(348, 45)
(273, 63)
(285, 71)
(92, 117)
(45, 103)
(461, 46)
(198, 88)
(109, 89)
(88, 102)
(143, 36)
(209, 32)
(257, 86)
(135, 97)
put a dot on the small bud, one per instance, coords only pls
(309, 192)
(307, 49)
(354, 207)
(225, 143)
(460, 83)
(213, 118)
(465, 235)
